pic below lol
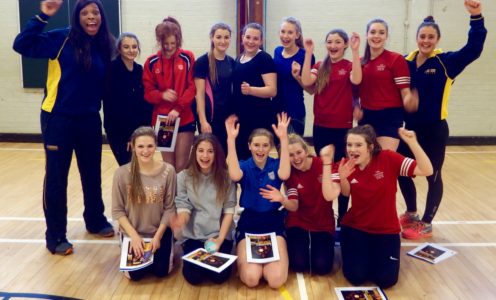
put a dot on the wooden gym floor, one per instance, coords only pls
(466, 223)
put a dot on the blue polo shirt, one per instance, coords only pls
(255, 178)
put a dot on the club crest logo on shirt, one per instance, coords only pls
(271, 175)
(381, 67)
(342, 72)
(379, 175)
(180, 67)
(354, 181)
(157, 71)
(430, 72)
(299, 186)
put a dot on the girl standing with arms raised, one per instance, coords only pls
(143, 202)
(169, 86)
(370, 240)
(205, 202)
(433, 73)
(70, 121)
(332, 81)
(260, 215)
(385, 87)
(254, 85)
(288, 59)
(213, 81)
(124, 107)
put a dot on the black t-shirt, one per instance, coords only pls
(222, 91)
(251, 72)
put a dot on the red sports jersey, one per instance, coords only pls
(382, 80)
(333, 107)
(314, 212)
(373, 193)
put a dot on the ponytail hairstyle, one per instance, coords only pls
(325, 66)
(169, 26)
(255, 26)
(294, 138)
(82, 42)
(369, 135)
(220, 175)
(136, 191)
(297, 24)
(366, 55)
(430, 22)
(212, 66)
(124, 35)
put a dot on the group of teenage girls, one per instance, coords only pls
(240, 104)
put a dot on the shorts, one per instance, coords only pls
(190, 127)
(385, 121)
(252, 221)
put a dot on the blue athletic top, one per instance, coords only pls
(434, 78)
(69, 89)
(255, 178)
(289, 92)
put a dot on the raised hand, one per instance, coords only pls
(271, 193)
(346, 168)
(408, 136)
(232, 126)
(295, 69)
(309, 46)
(474, 7)
(355, 41)
(327, 154)
(281, 130)
(50, 7)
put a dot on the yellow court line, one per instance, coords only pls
(284, 293)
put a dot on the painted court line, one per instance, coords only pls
(301, 286)
(42, 219)
(111, 242)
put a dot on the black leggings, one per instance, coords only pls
(161, 260)
(195, 274)
(310, 251)
(432, 139)
(367, 256)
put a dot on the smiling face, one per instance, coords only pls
(169, 46)
(288, 34)
(205, 156)
(336, 46)
(144, 148)
(377, 36)
(358, 149)
(298, 157)
(260, 148)
(252, 40)
(90, 19)
(427, 40)
(221, 40)
(129, 48)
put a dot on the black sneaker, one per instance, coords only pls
(64, 248)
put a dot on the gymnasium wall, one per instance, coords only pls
(471, 111)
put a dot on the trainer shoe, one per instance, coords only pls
(409, 219)
(64, 248)
(419, 231)
(106, 232)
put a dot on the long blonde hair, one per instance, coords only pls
(212, 66)
(136, 191)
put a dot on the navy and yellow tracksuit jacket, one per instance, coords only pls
(435, 77)
(69, 90)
